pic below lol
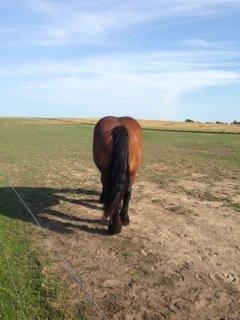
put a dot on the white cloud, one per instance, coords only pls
(91, 21)
(119, 82)
(157, 79)
(153, 62)
(199, 43)
(44, 6)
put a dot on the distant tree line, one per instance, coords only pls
(217, 122)
(236, 122)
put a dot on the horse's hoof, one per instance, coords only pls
(114, 229)
(125, 219)
(125, 222)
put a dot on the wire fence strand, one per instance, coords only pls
(64, 261)
(12, 280)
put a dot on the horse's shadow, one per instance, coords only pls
(42, 202)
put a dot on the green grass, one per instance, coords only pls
(19, 260)
(46, 156)
(180, 154)
(35, 148)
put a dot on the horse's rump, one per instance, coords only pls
(117, 150)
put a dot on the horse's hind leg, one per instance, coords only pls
(127, 196)
(115, 225)
(104, 187)
(124, 212)
(102, 196)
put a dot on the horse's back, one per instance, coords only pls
(103, 141)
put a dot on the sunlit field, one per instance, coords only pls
(151, 124)
(179, 257)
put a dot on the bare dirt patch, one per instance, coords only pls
(178, 259)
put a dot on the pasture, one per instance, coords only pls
(179, 257)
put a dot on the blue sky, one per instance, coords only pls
(150, 59)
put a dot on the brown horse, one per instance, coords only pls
(117, 152)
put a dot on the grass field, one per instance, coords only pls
(170, 262)
(147, 124)
(19, 260)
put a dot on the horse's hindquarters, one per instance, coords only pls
(117, 152)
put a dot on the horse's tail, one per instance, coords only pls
(118, 174)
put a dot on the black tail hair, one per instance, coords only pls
(118, 172)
